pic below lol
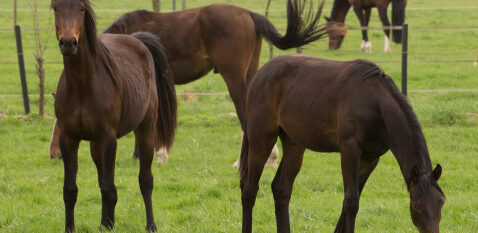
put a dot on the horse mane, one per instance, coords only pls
(367, 69)
(121, 25)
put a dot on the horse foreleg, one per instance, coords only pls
(261, 141)
(382, 12)
(145, 144)
(350, 159)
(284, 180)
(365, 169)
(55, 151)
(366, 46)
(69, 149)
(103, 152)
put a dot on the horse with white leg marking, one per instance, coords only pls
(362, 9)
(350, 107)
(223, 38)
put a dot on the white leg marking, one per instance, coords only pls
(162, 155)
(368, 47)
(362, 46)
(386, 47)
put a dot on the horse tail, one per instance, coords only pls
(244, 156)
(398, 17)
(300, 30)
(164, 87)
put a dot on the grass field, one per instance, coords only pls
(197, 190)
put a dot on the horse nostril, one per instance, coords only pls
(61, 42)
(74, 42)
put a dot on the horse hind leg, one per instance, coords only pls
(284, 180)
(145, 144)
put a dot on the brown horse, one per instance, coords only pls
(349, 107)
(222, 37)
(110, 85)
(362, 9)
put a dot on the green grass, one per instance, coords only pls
(197, 190)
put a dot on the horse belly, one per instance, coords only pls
(135, 104)
(312, 132)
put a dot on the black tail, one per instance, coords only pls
(243, 157)
(398, 17)
(165, 88)
(301, 30)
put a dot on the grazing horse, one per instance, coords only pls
(223, 38)
(362, 9)
(350, 107)
(110, 85)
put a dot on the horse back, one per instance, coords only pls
(318, 102)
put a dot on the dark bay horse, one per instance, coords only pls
(222, 37)
(110, 85)
(362, 9)
(349, 107)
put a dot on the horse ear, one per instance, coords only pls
(327, 18)
(436, 173)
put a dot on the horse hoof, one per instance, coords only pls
(151, 228)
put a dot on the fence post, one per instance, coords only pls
(14, 13)
(21, 65)
(174, 5)
(183, 7)
(404, 58)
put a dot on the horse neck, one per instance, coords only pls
(339, 10)
(410, 150)
(80, 68)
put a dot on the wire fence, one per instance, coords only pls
(471, 53)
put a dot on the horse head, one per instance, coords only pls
(72, 19)
(426, 200)
(337, 32)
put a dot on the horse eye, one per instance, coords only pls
(54, 8)
(83, 9)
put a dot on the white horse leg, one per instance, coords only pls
(368, 47)
(362, 46)
(386, 47)
(162, 155)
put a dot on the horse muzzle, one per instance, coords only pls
(68, 46)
